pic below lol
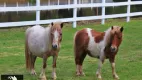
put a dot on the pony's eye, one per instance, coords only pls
(51, 33)
(60, 33)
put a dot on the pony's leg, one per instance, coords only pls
(115, 76)
(33, 59)
(54, 67)
(98, 73)
(42, 74)
(79, 61)
(101, 61)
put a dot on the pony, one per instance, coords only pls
(43, 42)
(101, 45)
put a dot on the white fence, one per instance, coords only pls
(73, 6)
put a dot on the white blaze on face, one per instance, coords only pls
(55, 38)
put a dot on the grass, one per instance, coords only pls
(128, 59)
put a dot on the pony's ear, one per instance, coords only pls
(111, 27)
(62, 25)
(121, 29)
(52, 24)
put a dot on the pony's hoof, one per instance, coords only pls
(54, 77)
(80, 74)
(77, 73)
(42, 77)
(33, 73)
(99, 77)
(115, 77)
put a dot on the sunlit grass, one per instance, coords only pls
(128, 60)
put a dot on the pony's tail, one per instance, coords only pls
(74, 45)
(27, 54)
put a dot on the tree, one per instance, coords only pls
(32, 1)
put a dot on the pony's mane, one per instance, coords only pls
(48, 33)
(107, 36)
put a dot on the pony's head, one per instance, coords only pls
(116, 39)
(56, 34)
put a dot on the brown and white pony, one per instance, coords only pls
(101, 45)
(43, 42)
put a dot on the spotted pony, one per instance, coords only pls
(101, 45)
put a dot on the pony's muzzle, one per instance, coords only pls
(54, 46)
(113, 49)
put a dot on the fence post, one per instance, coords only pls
(91, 3)
(37, 12)
(128, 11)
(74, 14)
(4, 6)
(28, 4)
(48, 2)
(68, 3)
(103, 11)
(17, 5)
(79, 2)
(58, 2)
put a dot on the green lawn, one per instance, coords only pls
(128, 60)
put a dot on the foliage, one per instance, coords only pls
(32, 1)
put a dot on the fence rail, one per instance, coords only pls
(73, 6)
